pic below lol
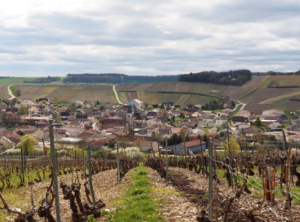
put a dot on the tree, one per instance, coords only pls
(198, 137)
(234, 146)
(23, 110)
(257, 122)
(272, 138)
(168, 107)
(58, 118)
(162, 106)
(205, 139)
(187, 138)
(72, 108)
(44, 102)
(206, 131)
(164, 112)
(27, 143)
(18, 92)
(55, 99)
(182, 134)
(149, 107)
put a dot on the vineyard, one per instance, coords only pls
(237, 190)
(58, 189)
(259, 184)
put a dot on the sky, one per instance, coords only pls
(154, 37)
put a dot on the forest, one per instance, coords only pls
(43, 80)
(114, 78)
(232, 77)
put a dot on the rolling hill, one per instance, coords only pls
(255, 93)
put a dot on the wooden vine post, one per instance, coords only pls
(288, 199)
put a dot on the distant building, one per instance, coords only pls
(77, 102)
(196, 146)
(136, 103)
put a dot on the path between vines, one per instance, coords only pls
(179, 200)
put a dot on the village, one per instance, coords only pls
(184, 130)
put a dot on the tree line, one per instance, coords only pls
(114, 78)
(43, 80)
(232, 77)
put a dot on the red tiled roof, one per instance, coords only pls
(192, 143)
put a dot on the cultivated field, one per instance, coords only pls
(285, 80)
(3, 92)
(20, 81)
(122, 97)
(101, 93)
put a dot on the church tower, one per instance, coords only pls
(129, 118)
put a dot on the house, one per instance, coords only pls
(99, 143)
(76, 102)
(198, 106)
(27, 102)
(151, 115)
(111, 123)
(226, 112)
(88, 136)
(136, 103)
(283, 119)
(146, 145)
(244, 113)
(278, 135)
(3, 107)
(295, 138)
(139, 121)
(269, 119)
(296, 127)
(40, 100)
(72, 131)
(9, 139)
(273, 112)
(196, 146)
(221, 121)
(252, 130)
(274, 125)
(237, 120)
(166, 132)
(25, 128)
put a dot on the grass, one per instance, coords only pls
(138, 203)
(257, 183)
(20, 81)
(236, 111)
(14, 91)
(115, 97)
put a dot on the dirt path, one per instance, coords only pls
(240, 103)
(117, 96)
(174, 205)
(10, 93)
(195, 188)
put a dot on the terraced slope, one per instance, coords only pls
(102, 93)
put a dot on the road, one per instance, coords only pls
(117, 97)
(244, 104)
(10, 93)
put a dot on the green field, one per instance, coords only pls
(20, 81)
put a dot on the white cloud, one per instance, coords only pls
(147, 37)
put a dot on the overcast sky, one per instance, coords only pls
(156, 37)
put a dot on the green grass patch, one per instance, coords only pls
(14, 91)
(114, 95)
(138, 203)
(236, 111)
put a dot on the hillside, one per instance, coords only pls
(255, 93)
